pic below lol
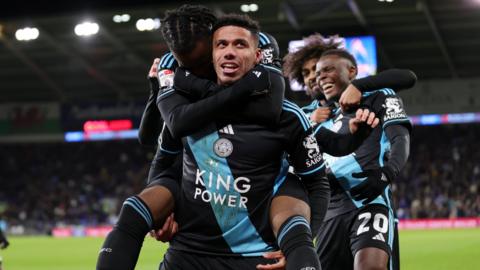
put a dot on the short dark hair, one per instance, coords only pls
(314, 46)
(240, 20)
(341, 53)
(183, 27)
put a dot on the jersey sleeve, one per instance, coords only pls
(304, 152)
(169, 145)
(389, 109)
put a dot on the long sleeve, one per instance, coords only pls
(396, 79)
(340, 144)
(151, 122)
(183, 117)
(399, 137)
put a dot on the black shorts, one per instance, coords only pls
(181, 260)
(292, 187)
(340, 238)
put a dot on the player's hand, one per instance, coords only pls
(320, 115)
(189, 84)
(256, 81)
(275, 255)
(4, 244)
(168, 230)
(350, 98)
(153, 72)
(363, 118)
(374, 184)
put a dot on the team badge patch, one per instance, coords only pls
(223, 147)
(165, 78)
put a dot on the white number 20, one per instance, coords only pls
(380, 222)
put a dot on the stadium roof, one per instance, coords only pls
(437, 39)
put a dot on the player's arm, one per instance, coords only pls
(396, 79)
(151, 122)
(396, 126)
(3, 240)
(261, 108)
(337, 144)
(183, 118)
(165, 163)
(306, 158)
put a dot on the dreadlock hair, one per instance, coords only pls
(183, 27)
(314, 46)
(342, 53)
(243, 21)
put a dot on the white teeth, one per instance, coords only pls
(229, 65)
(327, 85)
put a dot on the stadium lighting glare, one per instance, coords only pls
(249, 8)
(125, 17)
(26, 34)
(117, 18)
(389, 1)
(253, 7)
(86, 29)
(121, 18)
(148, 24)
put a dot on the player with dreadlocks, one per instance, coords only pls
(188, 29)
(187, 32)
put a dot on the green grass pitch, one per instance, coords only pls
(436, 249)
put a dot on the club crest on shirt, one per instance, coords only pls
(223, 147)
(393, 109)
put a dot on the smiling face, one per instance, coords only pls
(234, 53)
(309, 80)
(334, 73)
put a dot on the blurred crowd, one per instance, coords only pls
(53, 184)
(442, 176)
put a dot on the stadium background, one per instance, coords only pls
(61, 82)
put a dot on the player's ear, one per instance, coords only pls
(258, 56)
(352, 72)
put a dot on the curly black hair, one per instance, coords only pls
(314, 46)
(182, 27)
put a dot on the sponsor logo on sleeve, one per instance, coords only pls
(165, 78)
(313, 150)
(393, 109)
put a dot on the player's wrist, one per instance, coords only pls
(388, 173)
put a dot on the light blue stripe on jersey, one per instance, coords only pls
(396, 121)
(385, 91)
(289, 106)
(238, 231)
(265, 39)
(169, 151)
(272, 68)
(140, 208)
(166, 93)
(164, 60)
(310, 107)
(312, 171)
(281, 176)
(296, 221)
(384, 148)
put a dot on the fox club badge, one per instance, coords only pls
(223, 147)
